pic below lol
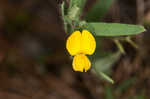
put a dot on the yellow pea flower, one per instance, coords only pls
(79, 45)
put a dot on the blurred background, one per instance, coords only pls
(34, 63)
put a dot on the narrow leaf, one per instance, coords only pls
(103, 64)
(106, 62)
(76, 7)
(116, 29)
(79, 3)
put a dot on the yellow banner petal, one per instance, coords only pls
(88, 43)
(73, 43)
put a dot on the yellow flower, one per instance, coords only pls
(79, 45)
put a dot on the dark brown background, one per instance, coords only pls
(34, 63)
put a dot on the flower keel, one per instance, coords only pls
(81, 63)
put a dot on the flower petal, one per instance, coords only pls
(88, 43)
(73, 43)
(81, 63)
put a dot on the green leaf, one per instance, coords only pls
(78, 3)
(73, 13)
(75, 8)
(116, 29)
(98, 10)
(105, 63)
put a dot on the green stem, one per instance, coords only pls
(119, 45)
(63, 16)
(128, 39)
